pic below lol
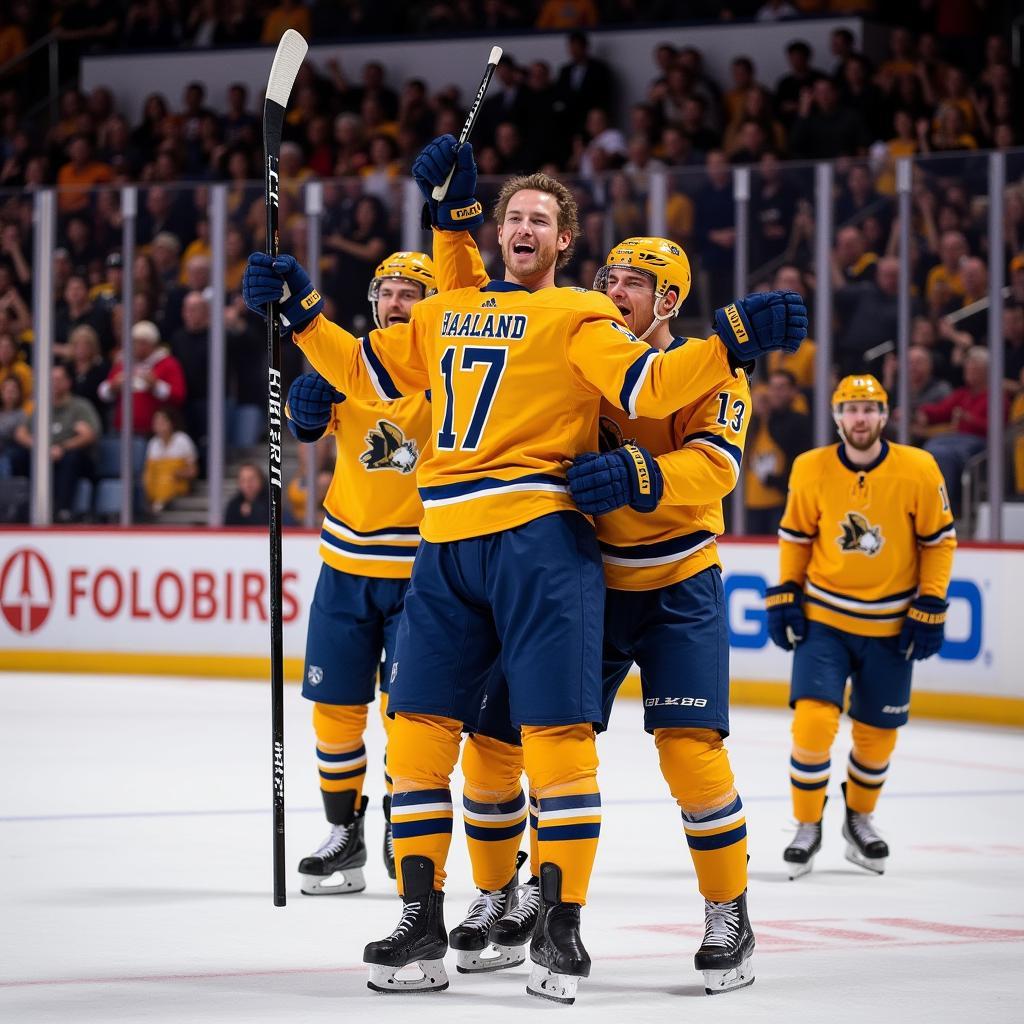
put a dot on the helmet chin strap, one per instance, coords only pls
(658, 320)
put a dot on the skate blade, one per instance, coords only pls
(335, 884)
(799, 870)
(875, 866)
(559, 988)
(493, 958)
(430, 977)
(717, 982)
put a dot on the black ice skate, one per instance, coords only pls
(725, 954)
(419, 939)
(477, 953)
(516, 926)
(337, 866)
(800, 853)
(556, 949)
(389, 842)
(864, 846)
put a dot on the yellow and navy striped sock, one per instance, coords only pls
(421, 825)
(534, 848)
(809, 781)
(868, 767)
(815, 723)
(718, 847)
(493, 833)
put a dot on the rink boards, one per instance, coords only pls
(195, 602)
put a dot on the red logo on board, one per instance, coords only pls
(26, 590)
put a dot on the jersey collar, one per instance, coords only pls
(504, 286)
(841, 452)
(677, 342)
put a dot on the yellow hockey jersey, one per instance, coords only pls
(864, 541)
(372, 511)
(698, 448)
(516, 379)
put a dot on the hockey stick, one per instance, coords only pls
(440, 191)
(290, 52)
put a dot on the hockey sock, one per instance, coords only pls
(383, 705)
(340, 753)
(696, 767)
(534, 846)
(493, 807)
(868, 766)
(815, 723)
(561, 763)
(422, 752)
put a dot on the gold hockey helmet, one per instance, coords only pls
(415, 267)
(660, 257)
(859, 388)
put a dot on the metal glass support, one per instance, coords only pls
(823, 219)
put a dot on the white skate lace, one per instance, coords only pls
(409, 915)
(807, 834)
(528, 903)
(722, 924)
(485, 909)
(863, 829)
(389, 843)
(334, 842)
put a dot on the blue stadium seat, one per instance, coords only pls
(108, 499)
(248, 426)
(82, 503)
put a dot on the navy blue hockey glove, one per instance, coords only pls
(280, 279)
(310, 400)
(629, 475)
(923, 629)
(460, 210)
(761, 323)
(787, 625)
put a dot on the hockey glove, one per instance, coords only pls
(281, 279)
(629, 475)
(761, 323)
(459, 210)
(310, 400)
(923, 629)
(787, 625)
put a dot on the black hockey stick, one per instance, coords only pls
(290, 52)
(440, 191)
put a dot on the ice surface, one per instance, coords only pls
(135, 848)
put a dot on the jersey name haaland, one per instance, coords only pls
(503, 326)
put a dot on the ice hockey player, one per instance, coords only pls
(508, 568)
(865, 554)
(368, 541)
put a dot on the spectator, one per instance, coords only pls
(241, 128)
(584, 83)
(1013, 341)
(15, 318)
(715, 228)
(157, 379)
(506, 102)
(544, 117)
(75, 427)
(76, 310)
(287, 14)
(693, 125)
(78, 176)
(869, 312)
(190, 345)
(602, 136)
(823, 129)
(851, 262)
(801, 76)
(966, 412)
(743, 81)
(925, 388)
(859, 199)
(14, 423)
(251, 504)
(357, 254)
(944, 280)
(778, 434)
(13, 365)
(858, 92)
(841, 46)
(87, 366)
(171, 462)
(801, 362)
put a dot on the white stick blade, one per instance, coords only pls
(290, 53)
(495, 56)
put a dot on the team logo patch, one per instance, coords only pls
(859, 535)
(389, 449)
(314, 675)
(491, 303)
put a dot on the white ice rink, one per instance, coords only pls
(135, 877)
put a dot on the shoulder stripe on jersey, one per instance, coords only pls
(634, 381)
(367, 552)
(409, 534)
(732, 452)
(852, 614)
(940, 534)
(879, 602)
(382, 382)
(662, 552)
(488, 486)
(796, 536)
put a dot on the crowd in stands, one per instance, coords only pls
(945, 92)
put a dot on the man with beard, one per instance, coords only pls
(865, 553)
(508, 568)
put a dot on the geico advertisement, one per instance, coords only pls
(207, 592)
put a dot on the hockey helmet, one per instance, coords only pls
(860, 388)
(415, 267)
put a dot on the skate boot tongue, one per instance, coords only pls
(721, 924)
(725, 955)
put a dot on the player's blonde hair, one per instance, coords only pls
(568, 211)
